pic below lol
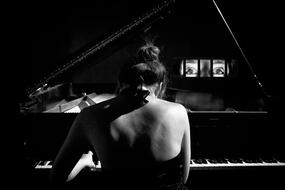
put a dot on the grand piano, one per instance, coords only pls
(237, 138)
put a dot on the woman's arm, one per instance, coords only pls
(69, 154)
(186, 146)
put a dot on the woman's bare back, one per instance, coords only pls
(151, 133)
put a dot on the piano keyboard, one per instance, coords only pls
(43, 164)
(202, 164)
(208, 164)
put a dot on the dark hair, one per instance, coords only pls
(146, 69)
(148, 52)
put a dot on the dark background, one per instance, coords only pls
(54, 33)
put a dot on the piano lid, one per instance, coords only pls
(140, 23)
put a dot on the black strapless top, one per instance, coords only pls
(167, 175)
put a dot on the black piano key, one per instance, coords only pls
(252, 160)
(41, 163)
(200, 161)
(218, 161)
(270, 160)
(235, 160)
(50, 163)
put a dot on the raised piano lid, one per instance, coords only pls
(82, 57)
(138, 24)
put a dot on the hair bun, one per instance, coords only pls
(148, 52)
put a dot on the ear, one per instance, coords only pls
(158, 89)
(160, 86)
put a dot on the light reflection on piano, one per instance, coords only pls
(75, 106)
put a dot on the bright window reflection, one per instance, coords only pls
(205, 68)
(191, 68)
(218, 68)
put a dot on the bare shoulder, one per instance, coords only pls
(172, 107)
(173, 115)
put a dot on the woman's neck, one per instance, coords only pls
(151, 91)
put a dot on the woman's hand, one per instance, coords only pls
(85, 161)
